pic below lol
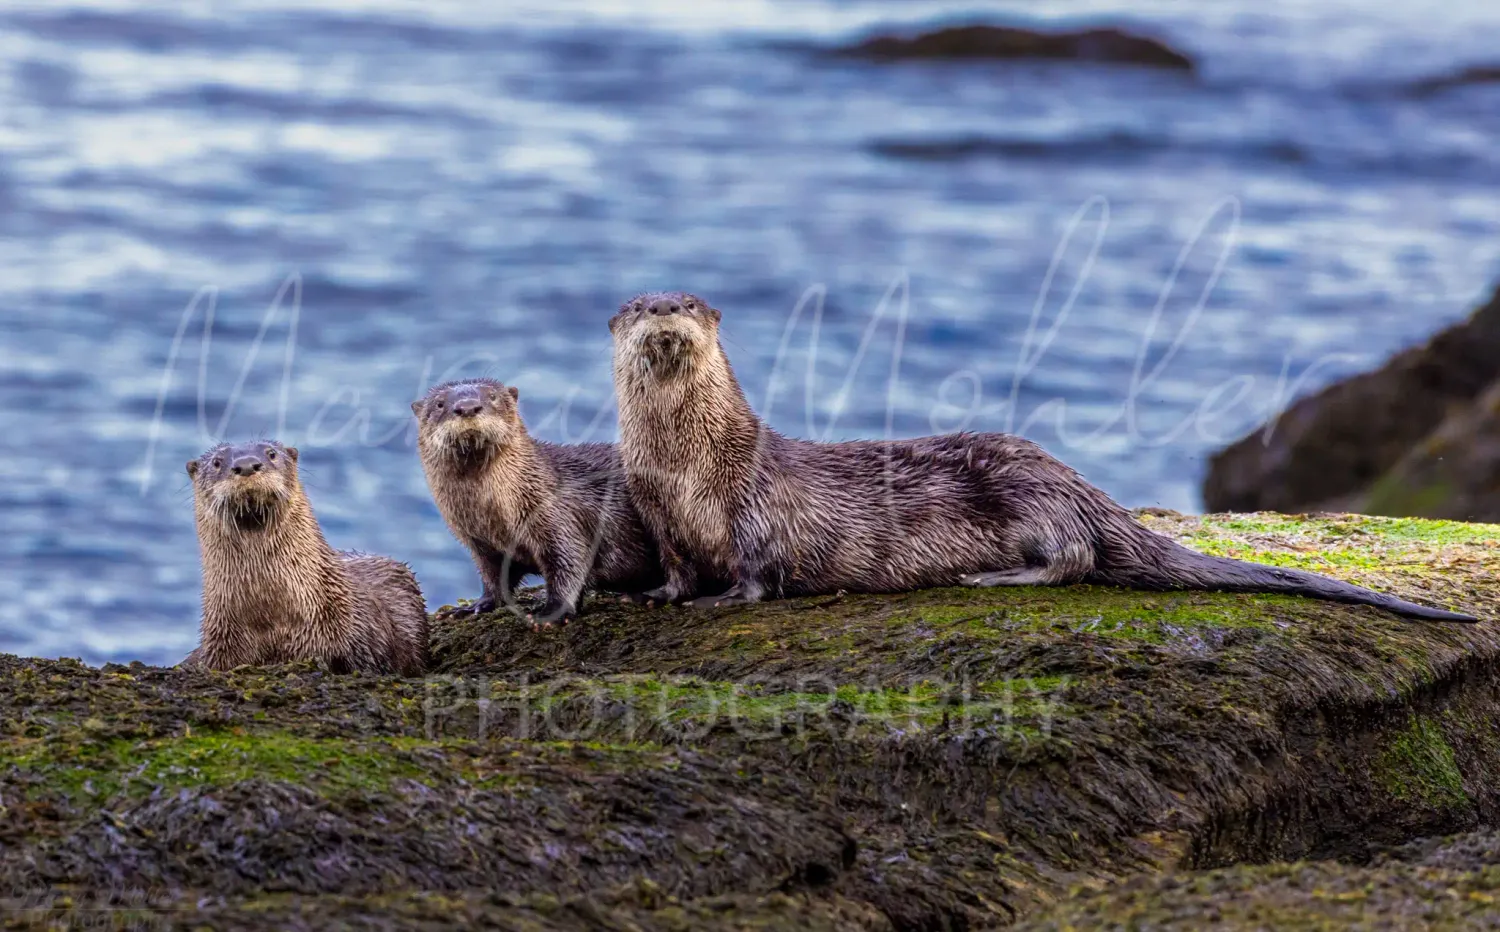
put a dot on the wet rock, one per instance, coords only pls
(951, 758)
(1106, 45)
(1327, 450)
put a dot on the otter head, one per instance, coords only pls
(468, 421)
(246, 486)
(664, 334)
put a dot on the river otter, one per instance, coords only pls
(274, 591)
(524, 506)
(728, 498)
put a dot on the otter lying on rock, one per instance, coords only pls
(274, 591)
(727, 498)
(524, 506)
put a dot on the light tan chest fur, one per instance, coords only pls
(263, 597)
(667, 444)
(490, 508)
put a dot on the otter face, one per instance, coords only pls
(246, 485)
(662, 334)
(467, 419)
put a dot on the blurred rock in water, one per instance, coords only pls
(1454, 473)
(1111, 46)
(1329, 450)
(1468, 77)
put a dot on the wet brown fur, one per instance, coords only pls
(730, 499)
(525, 506)
(274, 591)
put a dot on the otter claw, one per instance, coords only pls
(550, 615)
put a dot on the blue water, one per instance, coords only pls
(441, 191)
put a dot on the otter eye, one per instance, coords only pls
(218, 463)
(271, 454)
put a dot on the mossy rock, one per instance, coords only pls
(947, 758)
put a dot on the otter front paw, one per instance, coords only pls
(653, 598)
(552, 613)
(480, 606)
(736, 595)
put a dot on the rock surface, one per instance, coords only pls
(1329, 449)
(1450, 884)
(1108, 46)
(943, 759)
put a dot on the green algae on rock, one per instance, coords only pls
(948, 758)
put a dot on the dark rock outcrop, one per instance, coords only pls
(1329, 449)
(1107, 46)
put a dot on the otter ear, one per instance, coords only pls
(292, 452)
(515, 393)
(714, 314)
(192, 468)
(614, 323)
(416, 408)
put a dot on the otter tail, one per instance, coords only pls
(1160, 563)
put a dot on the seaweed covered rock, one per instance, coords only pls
(1105, 45)
(1328, 449)
(941, 759)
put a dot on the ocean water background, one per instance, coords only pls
(434, 189)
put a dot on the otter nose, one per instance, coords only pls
(247, 465)
(663, 307)
(468, 407)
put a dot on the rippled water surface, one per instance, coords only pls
(435, 191)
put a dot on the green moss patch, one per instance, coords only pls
(1093, 611)
(1418, 765)
(136, 768)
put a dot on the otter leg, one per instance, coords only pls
(501, 574)
(565, 567)
(1025, 576)
(753, 552)
(680, 585)
(650, 498)
(1046, 565)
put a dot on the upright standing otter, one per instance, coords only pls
(524, 506)
(728, 498)
(274, 591)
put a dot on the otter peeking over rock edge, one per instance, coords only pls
(728, 498)
(525, 506)
(274, 591)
